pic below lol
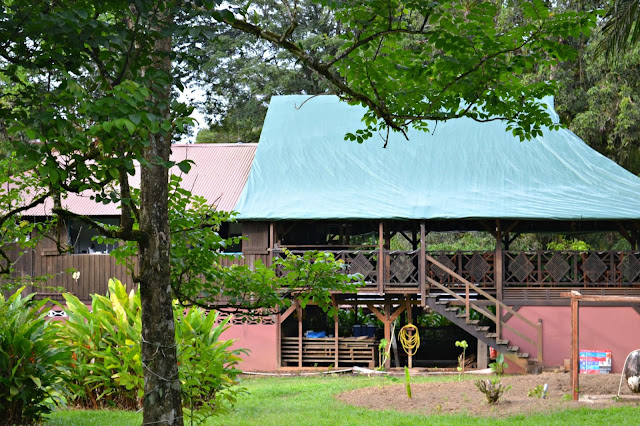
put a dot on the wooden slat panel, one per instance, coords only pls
(350, 350)
(256, 237)
(95, 271)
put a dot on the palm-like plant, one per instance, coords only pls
(622, 28)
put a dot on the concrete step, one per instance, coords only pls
(502, 342)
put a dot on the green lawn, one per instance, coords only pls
(310, 401)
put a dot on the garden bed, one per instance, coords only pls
(462, 397)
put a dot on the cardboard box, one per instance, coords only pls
(595, 361)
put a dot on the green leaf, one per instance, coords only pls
(184, 166)
(37, 381)
(130, 126)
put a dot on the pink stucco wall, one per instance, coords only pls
(608, 328)
(261, 340)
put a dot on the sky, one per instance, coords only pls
(191, 95)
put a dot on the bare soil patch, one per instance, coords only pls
(462, 397)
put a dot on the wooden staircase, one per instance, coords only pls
(456, 306)
(456, 315)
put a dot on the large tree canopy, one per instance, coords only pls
(239, 72)
(411, 61)
(598, 94)
(86, 92)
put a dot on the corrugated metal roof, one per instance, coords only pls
(218, 173)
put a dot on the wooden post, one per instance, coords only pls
(336, 343)
(422, 264)
(498, 267)
(271, 243)
(540, 342)
(272, 234)
(387, 259)
(355, 313)
(279, 340)
(483, 356)
(576, 297)
(409, 321)
(299, 310)
(575, 350)
(387, 333)
(380, 258)
(498, 322)
(498, 271)
(467, 302)
(387, 318)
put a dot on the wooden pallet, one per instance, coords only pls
(351, 350)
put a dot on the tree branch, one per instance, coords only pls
(132, 235)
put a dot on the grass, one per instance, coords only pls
(94, 418)
(311, 400)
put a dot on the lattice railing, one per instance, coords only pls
(364, 262)
(403, 269)
(475, 266)
(571, 268)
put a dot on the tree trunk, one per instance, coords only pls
(162, 399)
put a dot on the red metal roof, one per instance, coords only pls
(219, 173)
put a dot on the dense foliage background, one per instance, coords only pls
(598, 96)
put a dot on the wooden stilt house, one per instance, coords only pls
(309, 188)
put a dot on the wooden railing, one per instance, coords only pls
(400, 271)
(571, 268)
(404, 270)
(500, 307)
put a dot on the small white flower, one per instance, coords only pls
(76, 275)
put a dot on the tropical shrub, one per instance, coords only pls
(206, 364)
(105, 345)
(31, 364)
(568, 244)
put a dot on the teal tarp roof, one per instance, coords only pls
(304, 169)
